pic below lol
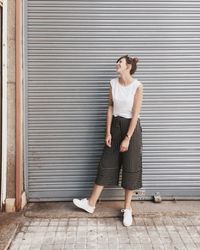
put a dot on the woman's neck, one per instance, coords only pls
(125, 79)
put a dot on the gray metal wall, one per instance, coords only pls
(70, 52)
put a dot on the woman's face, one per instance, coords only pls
(121, 66)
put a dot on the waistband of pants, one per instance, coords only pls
(121, 118)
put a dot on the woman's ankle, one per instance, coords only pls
(127, 207)
(91, 203)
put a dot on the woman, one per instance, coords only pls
(123, 141)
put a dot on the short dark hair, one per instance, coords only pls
(130, 60)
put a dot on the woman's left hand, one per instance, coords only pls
(124, 145)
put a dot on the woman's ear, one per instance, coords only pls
(129, 66)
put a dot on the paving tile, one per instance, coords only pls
(161, 233)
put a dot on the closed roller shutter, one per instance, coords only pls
(70, 52)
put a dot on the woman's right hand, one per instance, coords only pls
(108, 140)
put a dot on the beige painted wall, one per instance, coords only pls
(11, 101)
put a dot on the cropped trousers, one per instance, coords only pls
(113, 161)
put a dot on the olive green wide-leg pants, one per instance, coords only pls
(112, 160)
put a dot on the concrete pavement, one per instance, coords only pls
(166, 232)
(59, 225)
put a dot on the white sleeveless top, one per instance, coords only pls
(123, 97)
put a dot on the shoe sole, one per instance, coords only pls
(127, 225)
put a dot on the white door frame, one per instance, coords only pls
(4, 105)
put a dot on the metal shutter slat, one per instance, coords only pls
(70, 52)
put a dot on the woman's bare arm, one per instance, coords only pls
(136, 110)
(109, 112)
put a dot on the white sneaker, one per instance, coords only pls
(127, 217)
(84, 204)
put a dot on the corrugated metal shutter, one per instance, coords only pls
(70, 52)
